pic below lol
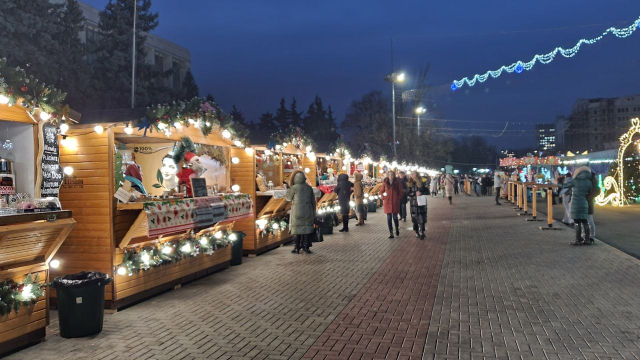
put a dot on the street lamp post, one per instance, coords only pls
(393, 78)
(420, 111)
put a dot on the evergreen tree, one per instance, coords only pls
(320, 125)
(113, 57)
(295, 117)
(282, 115)
(42, 38)
(267, 123)
(237, 116)
(210, 98)
(366, 125)
(189, 86)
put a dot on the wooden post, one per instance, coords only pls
(549, 210)
(525, 205)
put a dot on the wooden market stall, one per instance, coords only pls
(271, 171)
(32, 224)
(163, 238)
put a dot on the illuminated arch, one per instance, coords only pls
(616, 198)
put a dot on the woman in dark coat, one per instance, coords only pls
(391, 195)
(343, 189)
(303, 211)
(418, 213)
(581, 186)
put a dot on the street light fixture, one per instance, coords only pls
(393, 78)
(420, 111)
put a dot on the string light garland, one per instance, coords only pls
(13, 295)
(520, 66)
(169, 252)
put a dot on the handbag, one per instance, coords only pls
(421, 200)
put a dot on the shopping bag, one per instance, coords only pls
(422, 200)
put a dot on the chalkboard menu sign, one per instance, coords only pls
(50, 176)
(199, 187)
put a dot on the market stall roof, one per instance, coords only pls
(112, 115)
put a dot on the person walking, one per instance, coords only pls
(434, 186)
(343, 189)
(478, 185)
(391, 193)
(566, 199)
(456, 185)
(303, 211)
(595, 192)
(403, 201)
(358, 195)
(581, 187)
(418, 212)
(448, 187)
(497, 183)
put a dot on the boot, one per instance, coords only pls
(397, 231)
(391, 235)
(305, 245)
(345, 223)
(578, 232)
(296, 245)
(422, 236)
(587, 236)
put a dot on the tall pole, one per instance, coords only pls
(418, 124)
(133, 58)
(393, 114)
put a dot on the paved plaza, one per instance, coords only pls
(485, 284)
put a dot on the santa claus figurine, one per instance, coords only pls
(194, 169)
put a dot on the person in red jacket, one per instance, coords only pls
(392, 193)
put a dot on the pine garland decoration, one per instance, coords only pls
(13, 295)
(197, 112)
(27, 91)
(340, 148)
(295, 136)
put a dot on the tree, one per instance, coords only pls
(112, 73)
(189, 86)
(267, 123)
(282, 115)
(366, 125)
(295, 117)
(44, 39)
(474, 152)
(319, 126)
(210, 98)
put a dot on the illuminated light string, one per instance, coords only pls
(520, 66)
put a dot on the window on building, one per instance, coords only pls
(177, 75)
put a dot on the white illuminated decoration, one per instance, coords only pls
(520, 66)
(128, 129)
(233, 237)
(98, 129)
(68, 170)
(162, 126)
(248, 150)
(122, 270)
(218, 235)
(226, 134)
(4, 100)
(186, 248)
(167, 249)
(145, 258)
(235, 160)
(26, 292)
(306, 170)
(237, 143)
(611, 186)
(235, 188)
(262, 223)
(54, 264)
(384, 194)
(45, 116)
(203, 241)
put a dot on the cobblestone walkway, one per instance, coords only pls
(485, 284)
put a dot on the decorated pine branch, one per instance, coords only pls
(196, 112)
(13, 295)
(292, 135)
(340, 148)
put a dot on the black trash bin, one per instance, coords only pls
(236, 248)
(80, 303)
(371, 206)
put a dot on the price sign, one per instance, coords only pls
(50, 175)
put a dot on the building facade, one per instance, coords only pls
(546, 138)
(160, 53)
(597, 124)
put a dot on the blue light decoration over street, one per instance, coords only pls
(520, 66)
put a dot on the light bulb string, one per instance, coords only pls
(519, 66)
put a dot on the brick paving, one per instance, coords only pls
(389, 318)
(485, 284)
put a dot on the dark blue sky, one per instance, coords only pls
(253, 52)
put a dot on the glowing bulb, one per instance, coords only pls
(54, 264)
(308, 148)
(203, 241)
(366, 195)
(278, 147)
(306, 170)
(267, 152)
(235, 160)
(68, 170)
(344, 167)
(98, 129)
(128, 130)
(328, 157)
(384, 194)
(177, 125)
(44, 116)
(218, 235)
(381, 171)
(366, 171)
(401, 77)
(226, 134)
(284, 144)
(237, 143)
(352, 203)
(186, 248)
(365, 201)
(207, 123)
(26, 291)
(4, 99)
(235, 188)
(248, 150)
(64, 128)
(275, 226)
(311, 155)
(233, 237)
(262, 223)
(145, 258)
(162, 126)
(122, 270)
(167, 250)
(69, 143)
(191, 121)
